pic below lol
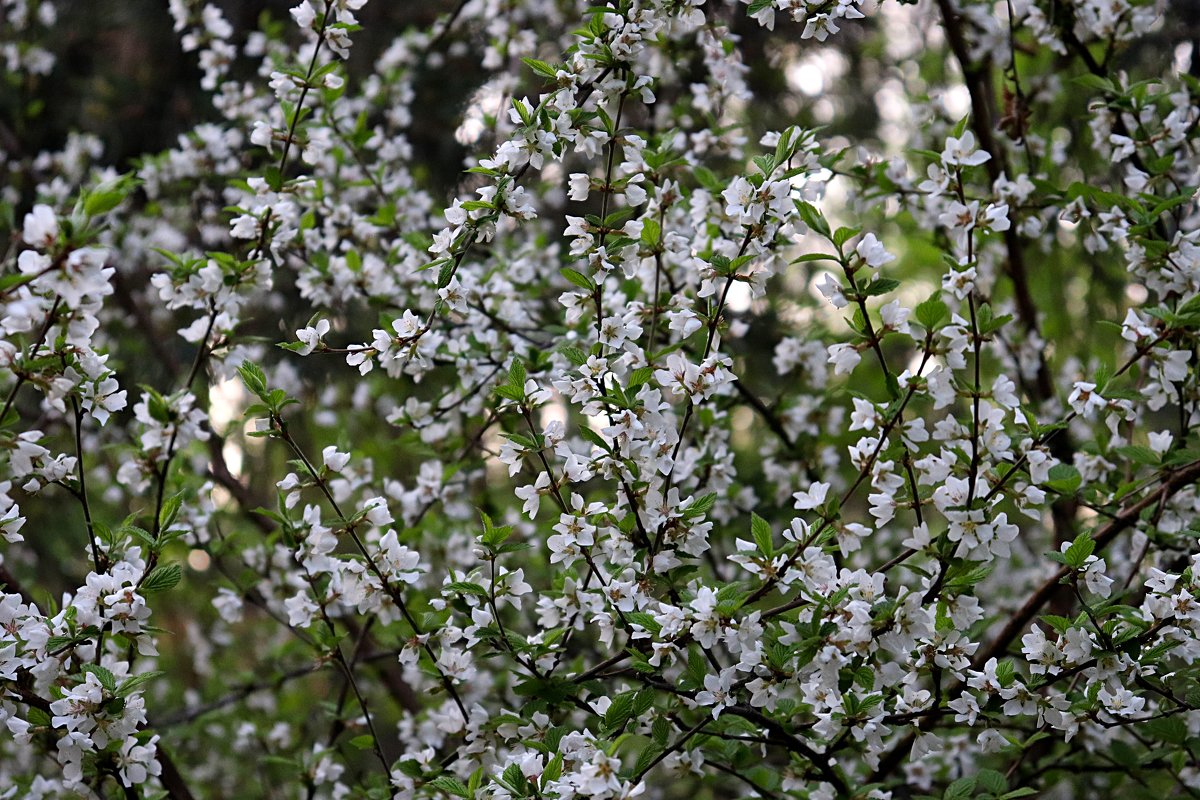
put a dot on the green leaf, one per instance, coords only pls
(411, 768)
(641, 664)
(697, 667)
(814, 257)
(1064, 479)
(1189, 307)
(170, 510)
(931, 312)
(843, 235)
(961, 127)
(1090, 81)
(161, 578)
(56, 643)
(522, 111)
(701, 506)
(541, 68)
(989, 780)
(643, 701)
(510, 393)
(989, 323)
(651, 233)
(450, 785)
(660, 730)
(760, 529)
(966, 575)
(514, 778)
(102, 202)
(574, 354)
(494, 535)
(813, 218)
(961, 789)
(708, 179)
(517, 374)
(106, 678)
(553, 770)
(254, 378)
(646, 758)
(1077, 554)
(465, 587)
(1138, 454)
(893, 385)
(619, 711)
(880, 286)
(578, 278)
(135, 683)
(592, 437)
(108, 195)
(1172, 730)
(639, 377)
(157, 405)
(14, 280)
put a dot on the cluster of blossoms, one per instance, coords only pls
(688, 446)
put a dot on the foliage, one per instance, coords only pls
(714, 439)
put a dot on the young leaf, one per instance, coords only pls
(161, 578)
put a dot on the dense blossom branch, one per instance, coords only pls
(767, 411)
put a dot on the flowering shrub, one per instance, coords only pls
(692, 447)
